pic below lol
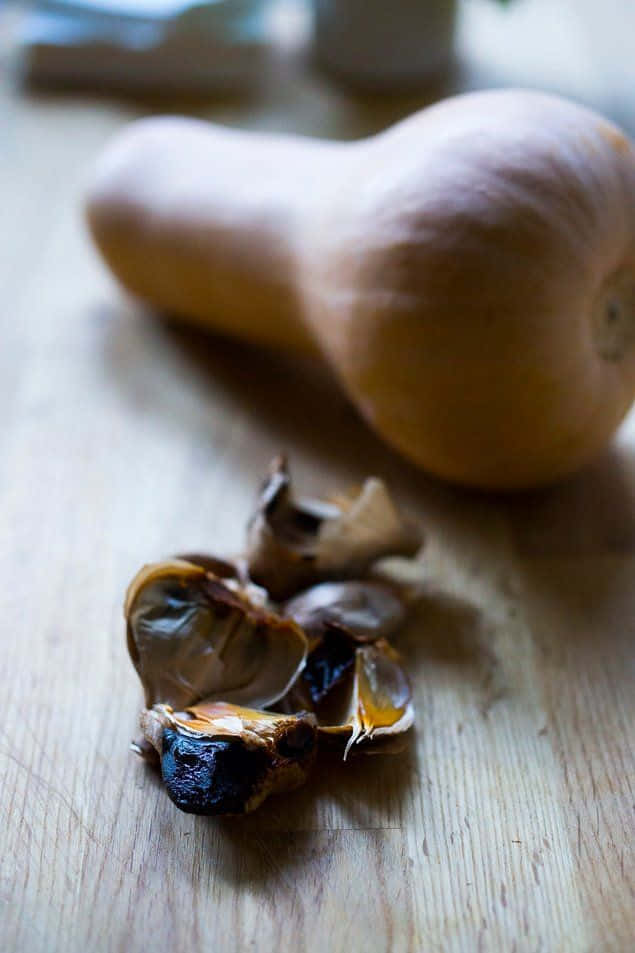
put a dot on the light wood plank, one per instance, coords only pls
(508, 823)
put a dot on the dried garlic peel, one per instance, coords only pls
(192, 636)
(292, 544)
(380, 698)
(366, 611)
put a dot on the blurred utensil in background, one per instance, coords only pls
(381, 45)
(165, 45)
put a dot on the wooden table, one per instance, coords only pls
(508, 824)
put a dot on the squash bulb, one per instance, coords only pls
(469, 273)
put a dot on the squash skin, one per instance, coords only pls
(205, 222)
(460, 271)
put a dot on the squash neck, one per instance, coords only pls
(277, 188)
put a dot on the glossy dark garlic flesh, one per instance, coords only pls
(224, 759)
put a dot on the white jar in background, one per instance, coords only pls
(384, 43)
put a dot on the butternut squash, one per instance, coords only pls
(469, 273)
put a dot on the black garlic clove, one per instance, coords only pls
(223, 759)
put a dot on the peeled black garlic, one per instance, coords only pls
(223, 759)
(215, 653)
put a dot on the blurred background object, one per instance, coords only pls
(305, 60)
(377, 44)
(147, 44)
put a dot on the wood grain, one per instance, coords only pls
(508, 823)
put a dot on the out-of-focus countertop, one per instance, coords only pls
(508, 824)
